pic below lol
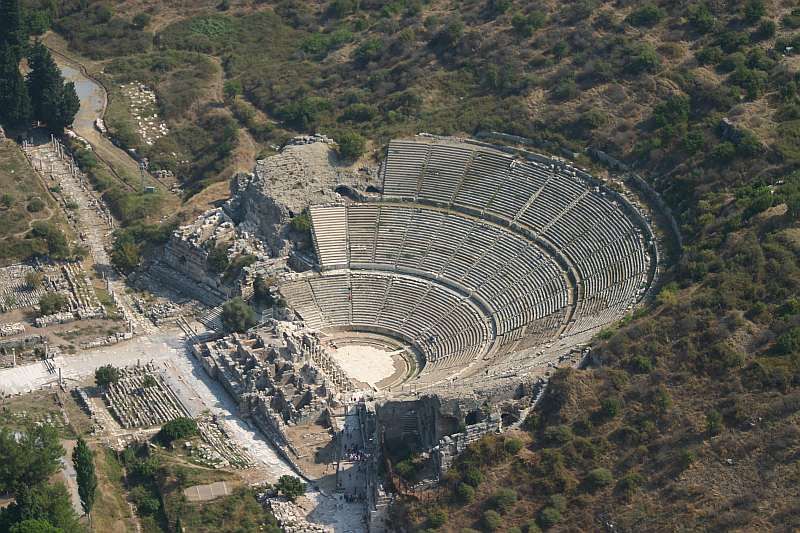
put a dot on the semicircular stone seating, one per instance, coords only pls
(475, 257)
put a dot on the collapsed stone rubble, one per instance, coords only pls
(291, 517)
(143, 107)
(12, 328)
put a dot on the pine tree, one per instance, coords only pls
(14, 101)
(87, 479)
(11, 29)
(53, 102)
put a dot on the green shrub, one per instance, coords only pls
(473, 476)
(754, 10)
(437, 517)
(218, 258)
(558, 502)
(642, 58)
(713, 422)
(647, 15)
(558, 435)
(179, 428)
(599, 478)
(141, 20)
(291, 487)
(492, 520)
(788, 343)
(302, 222)
(106, 375)
(629, 484)
(503, 499)
(465, 492)
(351, 145)
(525, 25)
(701, 18)
(610, 407)
(406, 469)
(548, 517)
(512, 445)
(532, 527)
(52, 302)
(237, 315)
(35, 205)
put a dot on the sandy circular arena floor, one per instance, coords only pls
(367, 364)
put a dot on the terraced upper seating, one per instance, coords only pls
(473, 253)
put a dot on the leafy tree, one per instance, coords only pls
(83, 459)
(302, 222)
(106, 375)
(35, 526)
(237, 315)
(30, 459)
(218, 258)
(127, 253)
(7, 200)
(261, 292)
(54, 102)
(48, 503)
(291, 487)
(180, 428)
(473, 476)
(52, 302)
(351, 145)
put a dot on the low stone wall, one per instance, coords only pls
(449, 447)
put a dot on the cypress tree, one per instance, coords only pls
(53, 102)
(87, 479)
(15, 105)
(11, 30)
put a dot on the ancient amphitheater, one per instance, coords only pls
(475, 263)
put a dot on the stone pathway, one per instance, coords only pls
(92, 219)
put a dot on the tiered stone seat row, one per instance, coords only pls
(577, 217)
(518, 281)
(331, 234)
(439, 321)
